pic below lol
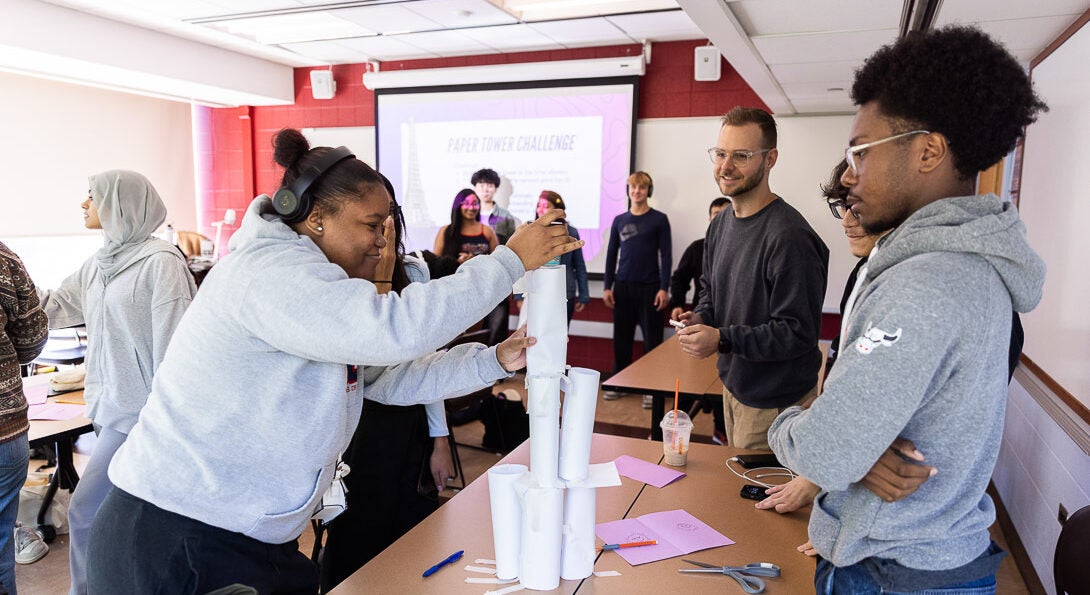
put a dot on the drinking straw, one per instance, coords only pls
(677, 389)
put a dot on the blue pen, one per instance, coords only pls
(453, 558)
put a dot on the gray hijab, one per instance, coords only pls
(130, 210)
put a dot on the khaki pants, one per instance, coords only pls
(747, 427)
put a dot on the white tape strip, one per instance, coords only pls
(510, 589)
(491, 581)
(607, 573)
(480, 569)
(485, 561)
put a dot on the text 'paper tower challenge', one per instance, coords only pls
(543, 517)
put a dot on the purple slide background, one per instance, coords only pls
(615, 109)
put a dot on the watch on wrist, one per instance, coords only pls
(724, 342)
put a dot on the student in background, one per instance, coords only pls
(691, 266)
(399, 455)
(23, 333)
(465, 236)
(764, 282)
(131, 295)
(258, 395)
(637, 274)
(486, 182)
(578, 291)
(928, 323)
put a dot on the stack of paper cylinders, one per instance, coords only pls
(547, 321)
(506, 518)
(542, 519)
(577, 557)
(544, 410)
(578, 427)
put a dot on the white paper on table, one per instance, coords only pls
(580, 399)
(578, 553)
(506, 517)
(543, 407)
(54, 411)
(547, 320)
(600, 475)
(542, 523)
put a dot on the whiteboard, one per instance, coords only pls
(1055, 206)
(359, 139)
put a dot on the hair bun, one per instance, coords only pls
(288, 146)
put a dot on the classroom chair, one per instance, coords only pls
(1069, 567)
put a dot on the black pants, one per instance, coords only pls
(498, 323)
(634, 303)
(390, 488)
(137, 547)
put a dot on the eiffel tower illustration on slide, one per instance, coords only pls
(415, 207)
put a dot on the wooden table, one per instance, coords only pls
(654, 374)
(62, 435)
(709, 492)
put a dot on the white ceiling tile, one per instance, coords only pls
(388, 18)
(773, 17)
(838, 72)
(658, 26)
(383, 48)
(823, 106)
(583, 32)
(330, 52)
(1024, 34)
(814, 91)
(445, 43)
(822, 47)
(508, 38)
(291, 28)
(461, 13)
(538, 10)
(964, 11)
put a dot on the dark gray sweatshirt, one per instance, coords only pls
(924, 357)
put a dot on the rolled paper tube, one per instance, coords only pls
(542, 520)
(544, 410)
(547, 321)
(580, 399)
(577, 557)
(506, 517)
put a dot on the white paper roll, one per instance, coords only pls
(577, 556)
(547, 320)
(506, 517)
(544, 409)
(543, 515)
(580, 399)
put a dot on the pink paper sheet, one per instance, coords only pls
(54, 411)
(649, 473)
(35, 395)
(676, 531)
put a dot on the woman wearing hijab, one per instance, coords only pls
(131, 295)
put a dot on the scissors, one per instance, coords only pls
(747, 576)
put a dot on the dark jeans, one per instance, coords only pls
(856, 580)
(634, 303)
(137, 547)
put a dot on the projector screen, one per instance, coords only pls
(575, 139)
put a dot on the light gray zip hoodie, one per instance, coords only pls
(131, 295)
(925, 358)
(253, 402)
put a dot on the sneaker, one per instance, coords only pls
(29, 545)
(611, 395)
(648, 400)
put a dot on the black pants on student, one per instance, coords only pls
(390, 488)
(634, 303)
(137, 547)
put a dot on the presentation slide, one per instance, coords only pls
(574, 140)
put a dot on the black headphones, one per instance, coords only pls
(293, 204)
(650, 184)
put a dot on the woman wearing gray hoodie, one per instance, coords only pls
(131, 295)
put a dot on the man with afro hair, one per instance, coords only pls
(925, 330)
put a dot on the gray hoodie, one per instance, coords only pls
(131, 295)
(924, 358)
(255, 399)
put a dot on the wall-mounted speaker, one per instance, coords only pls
(322, 84)
(705, 63)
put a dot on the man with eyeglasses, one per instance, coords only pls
(763, 286)
(927, 326)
